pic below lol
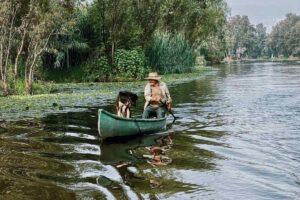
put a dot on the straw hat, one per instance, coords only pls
(153, 76)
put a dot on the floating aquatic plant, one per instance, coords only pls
(75, 97)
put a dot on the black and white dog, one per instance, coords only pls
(124, 102)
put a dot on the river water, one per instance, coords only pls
(238, 137)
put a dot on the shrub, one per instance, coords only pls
(18, 86)
(170, 53)
(97, 70)
(130, 64)
(40, 87)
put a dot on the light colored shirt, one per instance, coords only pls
(165, 94)
(156, 92)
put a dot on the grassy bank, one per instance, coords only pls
(78, 96)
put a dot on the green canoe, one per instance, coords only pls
(110, 125)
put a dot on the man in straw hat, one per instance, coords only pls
(157, 95)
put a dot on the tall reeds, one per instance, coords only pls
(170, 53)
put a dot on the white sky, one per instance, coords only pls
(268, 12)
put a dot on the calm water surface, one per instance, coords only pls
(238, 137)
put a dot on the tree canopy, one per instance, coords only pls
(285, 37)
(247, 40)
(111, 40)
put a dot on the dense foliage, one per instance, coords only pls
(130, 64)
(247, 40)
(26, 27)
(170, 53)
(285, 37)
(122, 40)
(97, 70)
(101, 40)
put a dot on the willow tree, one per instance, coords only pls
(8, 12)
(25, 29)
(47, 18)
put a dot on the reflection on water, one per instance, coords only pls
(237, 137)
(114, 151)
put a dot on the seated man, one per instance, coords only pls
(157, 96)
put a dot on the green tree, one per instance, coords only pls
(68, 48)
(260, 39)
(196, 19)
(281, 39)
(147, 14)
(8, 31)
(243, 35)
(115, 22)
(25, 30)
(293, 40)
(214, 47)
(47, 18)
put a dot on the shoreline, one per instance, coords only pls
(230, 61)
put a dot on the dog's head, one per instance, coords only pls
(124, 102)
(127, 97)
